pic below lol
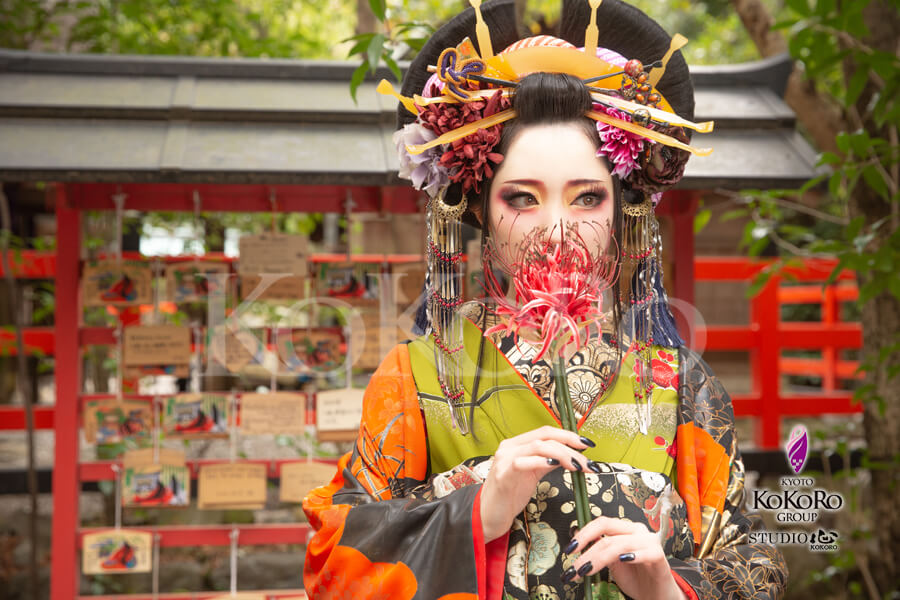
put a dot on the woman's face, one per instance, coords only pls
(551, 175)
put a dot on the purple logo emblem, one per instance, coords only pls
(797, 448)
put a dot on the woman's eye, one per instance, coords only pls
(521, 200)
(591, 200)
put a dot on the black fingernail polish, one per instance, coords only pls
(577, 465)
(627, 557)
(593, 467)
(571, 547)
(568, 575)
(587, 442)
(552, 461)
(585, 568)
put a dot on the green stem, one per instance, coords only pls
(569, 422)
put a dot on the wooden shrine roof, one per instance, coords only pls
(105, 118)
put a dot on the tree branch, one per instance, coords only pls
(795, 206)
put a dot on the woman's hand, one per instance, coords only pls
(633, 554)
(519, 464)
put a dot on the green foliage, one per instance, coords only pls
(312, 28)
(715, 30)
(827, 41)
(251, 28)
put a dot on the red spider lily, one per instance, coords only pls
(558, 288)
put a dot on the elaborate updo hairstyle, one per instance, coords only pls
(550, 97)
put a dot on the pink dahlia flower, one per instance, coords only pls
(622, 148)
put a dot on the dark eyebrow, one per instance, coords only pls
(571, 182)
(524, 181)
(584, 181)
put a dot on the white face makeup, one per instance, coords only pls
(551, 175)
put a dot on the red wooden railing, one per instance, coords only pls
(766, 336)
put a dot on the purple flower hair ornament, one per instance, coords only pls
(423, 170)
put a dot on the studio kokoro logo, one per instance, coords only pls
(798, 501)
(797, 448)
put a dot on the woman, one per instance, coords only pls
(460, 484)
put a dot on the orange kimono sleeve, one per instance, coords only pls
(376, 535)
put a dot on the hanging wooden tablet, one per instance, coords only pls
(157, 345)
(347, 280)
(272, 253)
(304, 349)
(111, 421)
(273, 414)
(111, 282)
(235, 348)
(164, 482)
(195, 281)
(195, 416)
(338, 413)
(232, 486)
(116, 551)
(300, 478)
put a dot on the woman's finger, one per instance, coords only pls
(534, 464)
(631, 549)
(606, 526)
(547, 432)
(567, 457)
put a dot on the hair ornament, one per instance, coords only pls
(482, 31)
(464, 131)
(473, 96)
(592, 32)
(456, 72)
(648, 133)
(385, 88)
(657, 117)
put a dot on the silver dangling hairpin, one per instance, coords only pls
(445, 276)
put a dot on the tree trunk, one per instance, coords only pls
(881, 328)
(818, 114)
(823, 120)
(365, 18)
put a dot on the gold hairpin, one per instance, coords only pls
(656, 114)
(475, 96)
(461, 132)
(386, 89)
(592, 32)
(647, 133)
(482, 32)
(678, 42)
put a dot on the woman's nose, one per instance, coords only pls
(553, 217)
(556, 230)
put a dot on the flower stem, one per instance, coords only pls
(569, 422)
